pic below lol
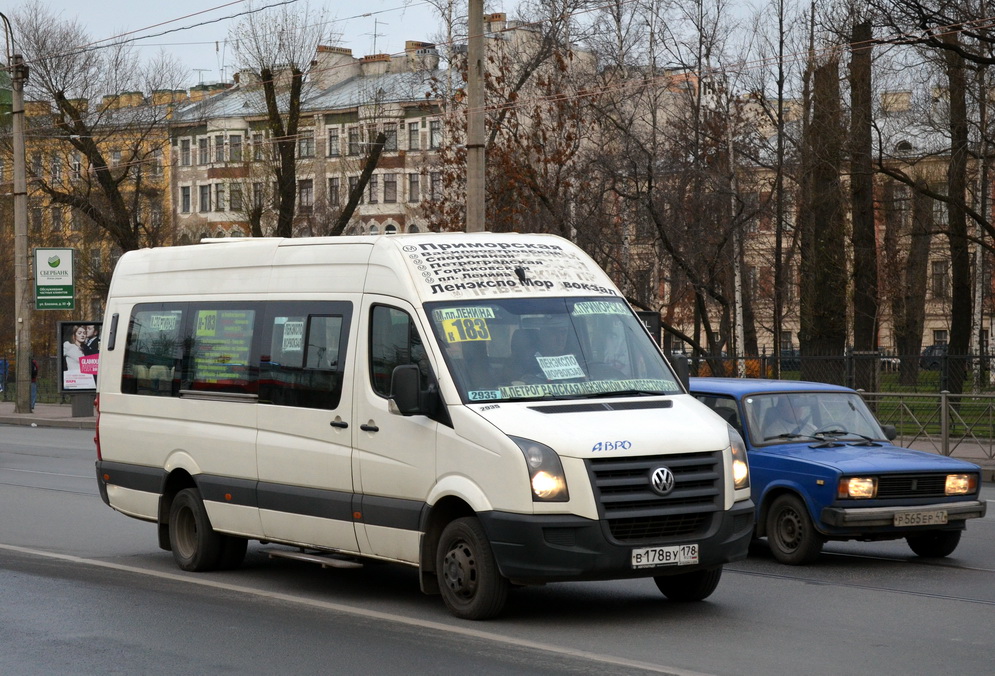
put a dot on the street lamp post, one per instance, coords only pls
(22, 285)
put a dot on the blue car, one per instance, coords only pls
(823, 468)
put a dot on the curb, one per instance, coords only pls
(67, 423)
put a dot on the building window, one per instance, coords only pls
(333, 192)
(235, 147)
(305, 143)
(939, 337)
(334, 150)
(56, 168)
(413, 136)
(219, 149)
(258, 148)
(185, 152)
(75, 220)
(57, 219)
(305, 194)
(96, 260)
(940, 279)
(115, 158)
(390, 143)
(219, 196)
(155, 215)
(353, 180)
(235, 199)
(36, 219)
(205, 198)
(374, 189)
(435, 186)
(413, 182)
(36, 164)
(390, 188)
(75, 167)
(257, 195)
(185, 199)
(354, 141)
(157, 162)
(204, 151)
(434, 134)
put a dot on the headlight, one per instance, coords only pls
(545, 471)
(858, 488)
(961, 484)
(740, 466)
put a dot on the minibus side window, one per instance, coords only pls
(394, 341)
(153, 351)
(220, 348)
(302, 362)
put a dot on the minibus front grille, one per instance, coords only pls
(635, 512)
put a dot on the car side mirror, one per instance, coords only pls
(890, 432)
(404, 390)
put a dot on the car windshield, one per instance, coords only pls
(788, 416)
(544, 348)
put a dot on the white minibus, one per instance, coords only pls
(484, 407)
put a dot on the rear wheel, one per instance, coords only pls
(195, 545)
(790, 534)
(694, 586)
(934, 544)
(471, 585)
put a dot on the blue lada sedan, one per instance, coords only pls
(823, 468)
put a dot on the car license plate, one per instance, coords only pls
(650, 557)
(931, 518)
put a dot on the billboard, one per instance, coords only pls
(54, 289)
(79, 352)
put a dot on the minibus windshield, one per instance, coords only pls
(548, 348)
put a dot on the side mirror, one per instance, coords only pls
(890, 432)
(683, 369)
(405, 393)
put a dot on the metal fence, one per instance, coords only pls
(49, 375)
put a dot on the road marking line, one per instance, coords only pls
(366, 613)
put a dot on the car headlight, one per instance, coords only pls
(545, 471)
(961, 484)
(740, 466)
(858, 487)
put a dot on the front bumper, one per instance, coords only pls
(533, 549)
(868, 517)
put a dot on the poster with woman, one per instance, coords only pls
(79, 353)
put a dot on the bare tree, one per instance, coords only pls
(278, 45)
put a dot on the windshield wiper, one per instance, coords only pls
(823, 442)
(840, 432)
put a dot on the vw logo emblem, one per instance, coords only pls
(662, 480)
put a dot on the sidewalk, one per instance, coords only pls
(46, 415)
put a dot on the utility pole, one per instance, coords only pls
(475, 212)
(22, 284)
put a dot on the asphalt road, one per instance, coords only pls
(85, 590)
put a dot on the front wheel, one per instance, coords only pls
(790, 534)
(694, 586)
(471, 585)
(195, 544)
(934, 544)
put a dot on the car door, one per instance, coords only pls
(395, 456)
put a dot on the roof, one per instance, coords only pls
(740, 387)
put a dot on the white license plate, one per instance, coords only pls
(931, 518)
(650, 557)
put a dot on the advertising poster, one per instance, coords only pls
(79, 352)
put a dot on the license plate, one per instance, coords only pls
(932, 518)
(650, 557)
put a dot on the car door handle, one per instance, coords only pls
(369, 428)
(339, 423)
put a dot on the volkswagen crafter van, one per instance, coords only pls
(486, 408)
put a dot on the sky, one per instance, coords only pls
(367, 27)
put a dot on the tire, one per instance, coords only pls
(934, 544)
(790, 534)
(694, 586)
(471, 585)
(232, 552)
(196, 547)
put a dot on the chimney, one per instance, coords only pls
(333, 65)
(495, 23)
(375, 64)
(418, 56)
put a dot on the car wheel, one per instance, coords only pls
(790, 534)
(694, 586)
(232, 552)
(471, 585)
(935, 543)
(195, 545)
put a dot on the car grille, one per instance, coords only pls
(912, 486)
(635, 512)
